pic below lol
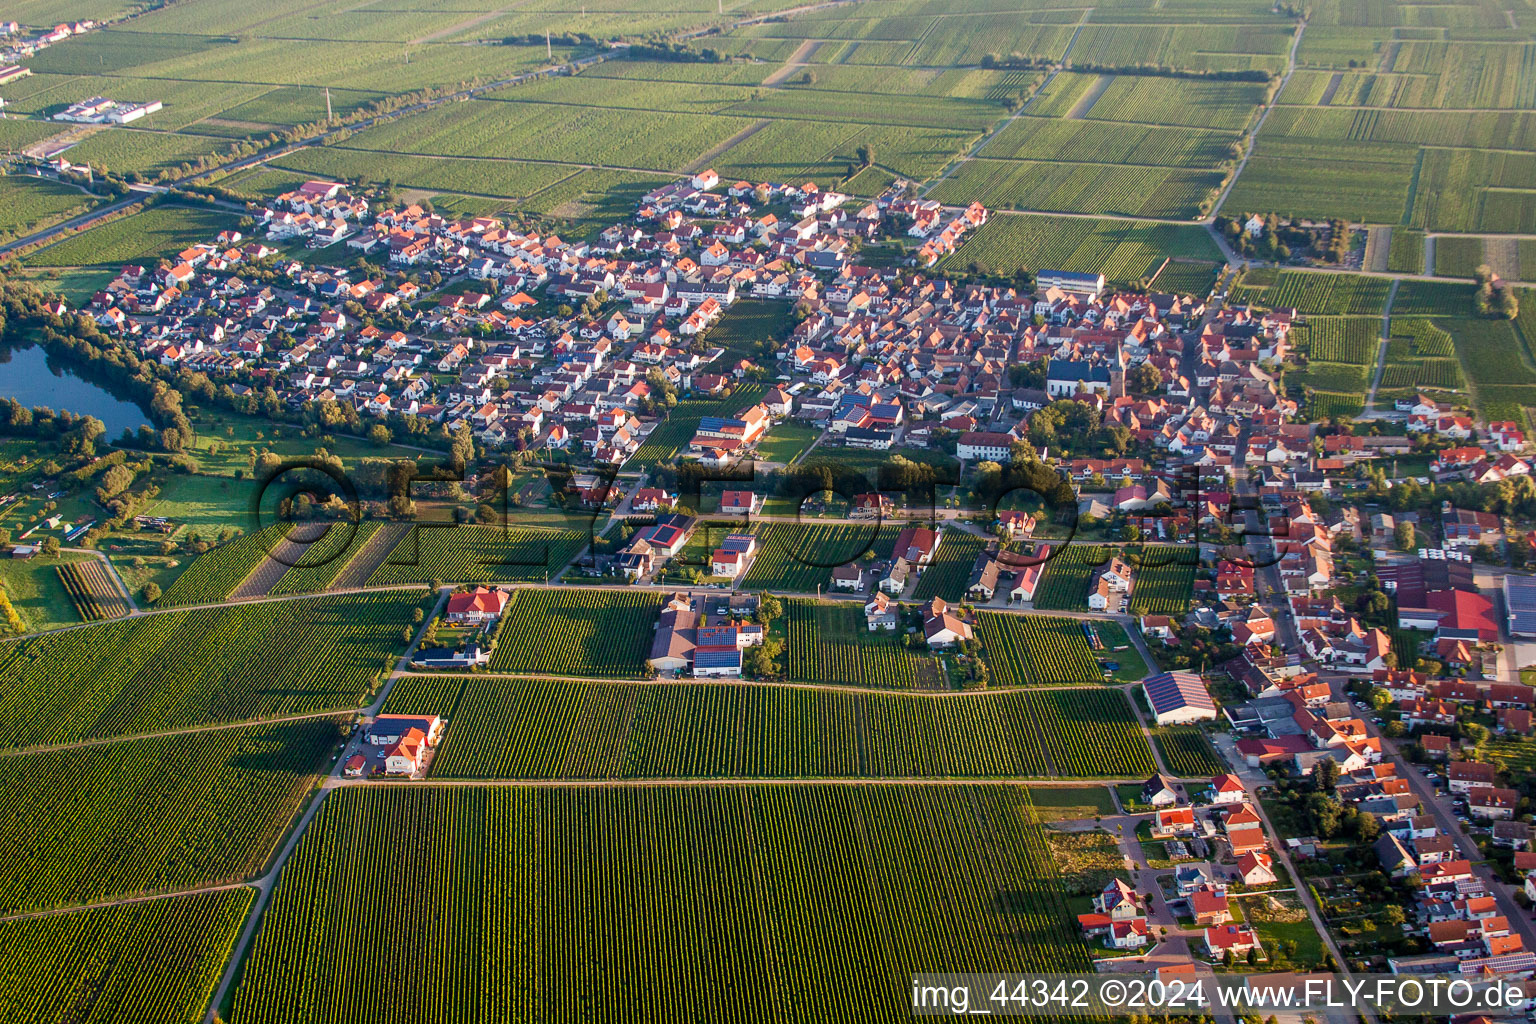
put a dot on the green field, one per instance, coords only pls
(1034, 650)
(577, 632)
(727, 899)
(158, 232)
(830, 642)
(469, 554)
(800, 557)
(185, 668)
(1307, 292)
(138, 963)
(1121, 251)
(674, 432)
(212, 575)
(950, 571)
(99, 822)
(1186, 751)
(30, 204)
(560, 729)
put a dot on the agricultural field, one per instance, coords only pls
(950, 570)
(726, 898)
(30, 204)
(104, 821)
(577, 632)
(1123, 252)
(564, 729)
(213, 575)
(324, 560)
(183, 668)
(1165, 578)
(1338, 339)
(470, 554)
(1457, 255)
(1036, 650)
(1186, 751)
(1433, 298)
(1058, 186)
(1064, 586)
(674, 433)
(134, 963)
(1308, 292)
(829, 642)
(159, 231)
(800, 557)
(92, 590)
(1406, 253)
(1420, 355)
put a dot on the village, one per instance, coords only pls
(1368, 645)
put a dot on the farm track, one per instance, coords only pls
(1098, 88)
(704, 160)
(370, 556)
(1502, 253)
(987, 137)
(1253, 136)
(799, 59)
(285, 554)
(1381, 350)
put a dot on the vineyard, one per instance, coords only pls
(799, 557)
(1165, 581)
(831, 643)
(564, 729)
(744, 904)
(322, 561)
(213, 575)
(1338, 339)
(182, 668)
(1064, 583)
(138, 963)
(471, 554)
(673, 433)
(950, 571)
(1036, 651)
(577, 632)
(91, 590)
(1323, 294)
(1406, 253)
(99, 822)
(1186, 751)
(1121, 251)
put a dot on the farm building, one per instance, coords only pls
(1520, 601)
(477, 606)
(1178, 698)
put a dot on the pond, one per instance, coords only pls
(33, 379)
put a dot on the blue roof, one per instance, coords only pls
(1520, 599)
(716, 657)
(738, 542)
(717, 636)
(1170, 691)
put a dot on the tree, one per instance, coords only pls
(151, 592)
(768, 609)
(1404, 537)
(380, 435)
(51, 547)
(1325, 774)
(1144, 378)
